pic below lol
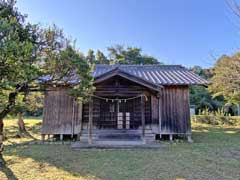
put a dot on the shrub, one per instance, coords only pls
(217, 120)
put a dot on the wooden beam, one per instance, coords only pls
(143, 116)
(90, 121)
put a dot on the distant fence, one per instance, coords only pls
(217, 120)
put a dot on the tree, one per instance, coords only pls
(202, 99)
(18, 110)
(27, 53)
(63, 64)
(200, 95)
(90, 56)
(226, 78)
(234, 7)
(27, 104)
(204, 73)
(131, 55)
(34, 104)
(19, 46)
(101, 58)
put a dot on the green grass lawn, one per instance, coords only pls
(215, 154)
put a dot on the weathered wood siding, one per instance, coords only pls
(155, 112)
(175, 113)
(61, 115)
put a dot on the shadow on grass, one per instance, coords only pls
(87, 163)
(56, 155)
(6, 170)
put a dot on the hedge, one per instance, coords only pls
(217, 120)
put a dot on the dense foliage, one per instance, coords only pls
(226, 79)
(217, 120)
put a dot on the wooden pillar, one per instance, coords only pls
(61, 137)
(43, 137)
(73, 117)
(90, 121)
(143, 117)
(160, 114)
(79, 116)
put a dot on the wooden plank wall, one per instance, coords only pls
(175, 113)
(154, 111)
(60, 117)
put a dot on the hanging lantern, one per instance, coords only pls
(125, 100)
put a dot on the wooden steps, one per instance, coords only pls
(118, 135)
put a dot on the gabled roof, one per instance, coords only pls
(154, 74)
(118, 72)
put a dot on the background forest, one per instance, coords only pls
(222, 96)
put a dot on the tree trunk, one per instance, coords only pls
(21, 124)
(10, 105)
(3, 113)
(1, 135)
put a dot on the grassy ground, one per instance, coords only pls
(215, 154)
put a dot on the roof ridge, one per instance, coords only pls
(140, 65)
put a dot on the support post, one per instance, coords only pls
(143, 117)
(80, 110)
(61, 137)
(78, 137)
(90, 121)
(170, 137)
(73, 118)
(238, 109)
(159, 114)
(189, 138)
(43, 137)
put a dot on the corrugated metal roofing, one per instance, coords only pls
(156, 74)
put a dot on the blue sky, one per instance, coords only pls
(186, 32)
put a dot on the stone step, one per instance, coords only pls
(118, 135)
(115, 145)
(116, 131)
